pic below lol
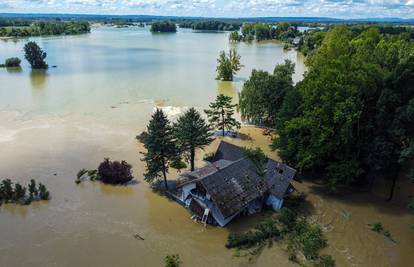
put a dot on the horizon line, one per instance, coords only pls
(207, 17)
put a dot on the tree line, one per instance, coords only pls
(17, 193)
(351, 120)
(45, 28)
(211, 25)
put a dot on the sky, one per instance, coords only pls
(219, 8)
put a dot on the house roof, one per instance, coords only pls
(234, 187)
(228, 151)
(279, 177)
(232, 180)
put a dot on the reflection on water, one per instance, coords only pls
(227, 89)
(117, 190)
(14, 70)
(38, 78)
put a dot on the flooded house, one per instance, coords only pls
(232, 185)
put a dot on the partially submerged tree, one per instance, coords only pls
(35, 56)
(352, 117)
(221, 114)
(115, 172)
(12, 62)
(192, 132)
(228, 65)
(161, 148)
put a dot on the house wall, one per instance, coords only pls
(186, 189)
(275, 202)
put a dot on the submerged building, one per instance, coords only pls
(232, 185)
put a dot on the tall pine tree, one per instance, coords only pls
(161, 149)
(191, 132)
(221, 114)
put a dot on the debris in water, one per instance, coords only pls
(137, 236)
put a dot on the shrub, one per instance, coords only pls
(288, 218)
(377, 227)
(172, 260)
(265, 230)
(13, 62)
(178, 165)
(311, 240)
(325, 261)
(115, 172)
(209, 156)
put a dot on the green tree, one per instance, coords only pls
(35, 56)
(351, 118)
(221, 114)
(263, 94)
(192, 132)
(32, 189)
(43, 193)
(7, 189)
(19, 192)
(228, 65)
(161, 148)
(235, 37)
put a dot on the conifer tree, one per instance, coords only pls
(221, 114)
(191, 132)
(161, 148)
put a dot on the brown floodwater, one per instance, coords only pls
(56, 123)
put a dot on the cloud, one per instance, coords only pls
(229, 8)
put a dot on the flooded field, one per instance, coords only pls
(92, 106)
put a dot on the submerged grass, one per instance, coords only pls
(303, 240)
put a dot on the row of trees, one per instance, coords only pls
(168, 143)
(283, 31)
(163, 26)
(211, 25)
(351, 119)
(18, 193)
(44, 28)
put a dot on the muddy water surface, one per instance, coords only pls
(91, 106)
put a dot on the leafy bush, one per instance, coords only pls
(172, 260)
(178, 165)
(209, 156)
(377, 227)
(310, 239)
(115, 172)
(12, 62)
(325, 261)
(265, 230)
